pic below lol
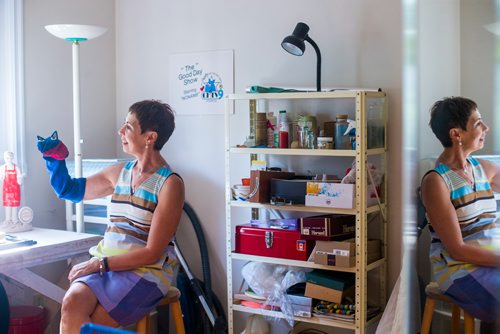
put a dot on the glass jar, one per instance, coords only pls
(375, 123)
(342, 142)
(284, 130)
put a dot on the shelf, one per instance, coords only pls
(293, 151)
(312, 320)
(302, 208)
(302, 152)
(302, 264)
(305, 95)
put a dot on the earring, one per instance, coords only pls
(459, 141)
(147, 145)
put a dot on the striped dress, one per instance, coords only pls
(476, 289)
(129, 295)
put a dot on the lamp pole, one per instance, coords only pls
(76, 33)
(77, 138)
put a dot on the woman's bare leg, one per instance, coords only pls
(78, 305)
(101, 317)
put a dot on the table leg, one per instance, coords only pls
(38, 284)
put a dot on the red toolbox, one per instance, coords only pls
(272, 242)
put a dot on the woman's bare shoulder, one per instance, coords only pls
(433, 185)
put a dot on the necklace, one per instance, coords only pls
(143, 171)
(464, 174)
(140, 176)
(138, 180)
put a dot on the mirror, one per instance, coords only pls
(458, 55)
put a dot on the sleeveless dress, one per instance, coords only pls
(129, 295)
(475, 288)
(11, 191)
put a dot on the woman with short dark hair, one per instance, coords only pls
(132, 267)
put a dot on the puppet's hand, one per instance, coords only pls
(52, 147)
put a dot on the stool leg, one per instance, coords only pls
(430, 304)
(455, 319)
(468, 323)
(142, 326)
(175, 309)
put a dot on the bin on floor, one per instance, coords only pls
(26, 319)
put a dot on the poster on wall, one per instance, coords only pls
(200, 81)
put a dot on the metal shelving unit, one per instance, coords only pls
(360, 211)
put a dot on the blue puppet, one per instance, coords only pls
(55, 152)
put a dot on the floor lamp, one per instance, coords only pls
(76, 33)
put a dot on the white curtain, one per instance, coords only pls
(11, 81)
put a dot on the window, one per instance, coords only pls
(11, 81)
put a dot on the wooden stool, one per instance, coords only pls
(172, 299)
(433, 294)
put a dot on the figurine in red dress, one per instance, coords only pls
(11, 178)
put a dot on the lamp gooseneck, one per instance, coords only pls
(318, 63)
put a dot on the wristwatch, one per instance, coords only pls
(102, 266)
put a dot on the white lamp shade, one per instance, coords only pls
(493, 28)
(75, 32)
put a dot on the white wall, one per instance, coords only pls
(439, 63)
(361, 47)
(478, 69)
(48, 84)
(457, 58)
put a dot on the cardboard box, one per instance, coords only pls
(324, 293)
(343, 253)
(330, 279)
(328, 227)
(301, 305)
(293, 190)
(334, 195)
(285, 244)
(260, 184)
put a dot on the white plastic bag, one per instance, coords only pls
(271, 281)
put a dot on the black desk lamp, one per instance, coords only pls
(295, 45)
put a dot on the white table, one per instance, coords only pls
(52, 246)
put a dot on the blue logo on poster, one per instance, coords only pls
(212, 89)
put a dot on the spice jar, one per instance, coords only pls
(325, 143)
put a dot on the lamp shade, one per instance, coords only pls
(493, 28)
(75, 32)
(294, 43)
